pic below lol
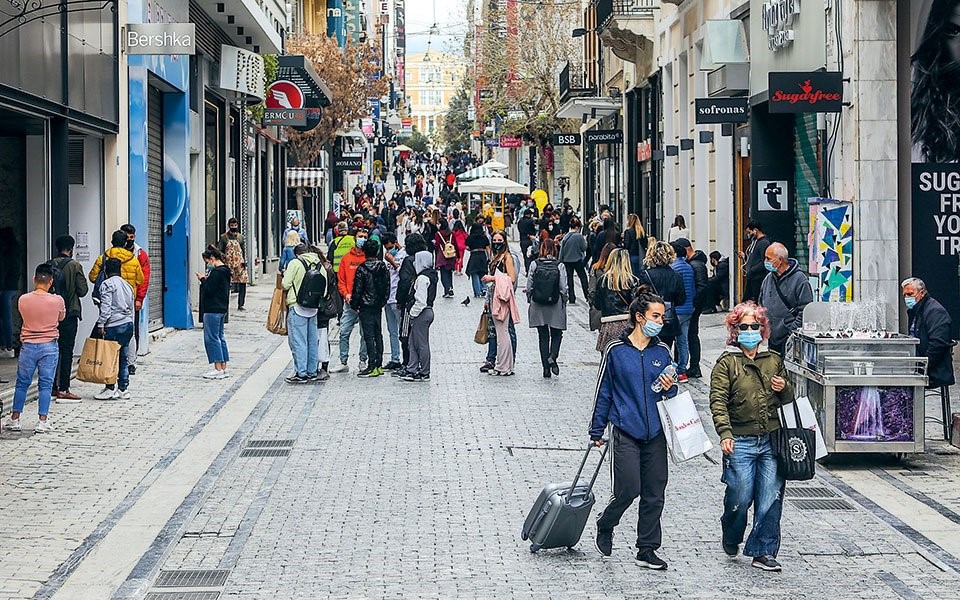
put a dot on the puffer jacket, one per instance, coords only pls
(741, 399)
(371, 286)
(689, 286)
(130, 269)
(698, 262)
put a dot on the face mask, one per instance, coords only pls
(129, 245)
(360, 242)
(234, 229)
(749, 339)
(499, 246)
(651, 328)
(910, 301)
(393, 251)
(769, 266)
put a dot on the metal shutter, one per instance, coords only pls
(155, 205)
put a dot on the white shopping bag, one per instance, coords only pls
(808, 420)
(681, 423)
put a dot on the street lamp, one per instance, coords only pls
(581, 31)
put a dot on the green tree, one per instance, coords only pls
(417, 141)
(457, 124)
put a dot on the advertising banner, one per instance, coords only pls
(335, 22)
(935, 151)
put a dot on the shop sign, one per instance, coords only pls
(644, 150)
(779, 17)
(604, 136)
(772, 195)
(721, 110)
(161, 38)
(507, 141)
(817, 91)
(348, 163)
(491, 143)
(285, 116)
(486, 94)
(241, 71)
(566, 139)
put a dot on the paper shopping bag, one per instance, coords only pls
(809, 421)
(482, 335)
(99, 362)
(277, 315)
(683, 427)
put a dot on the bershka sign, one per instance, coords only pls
(818, 91)
(161, 38)
(721, 110)
(603, 136)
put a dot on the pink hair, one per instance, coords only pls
(745, 308)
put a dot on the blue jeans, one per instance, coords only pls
(751, 477)
(392, 313)
(492, 343)
(683, 346)
(304, 342)
(349, 319)
(33, 357)
(478, 287)
(6, 317)
(122, 334)
(213, 338)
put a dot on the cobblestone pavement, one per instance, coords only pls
(395, 489)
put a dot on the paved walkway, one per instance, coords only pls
(393, 489)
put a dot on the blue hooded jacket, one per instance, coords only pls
(689, 285)
(624, 396)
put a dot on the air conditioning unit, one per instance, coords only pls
(729, 80)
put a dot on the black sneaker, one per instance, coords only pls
(767, 563)
(399, 372)
(365, 372)
(731, 549)
(410, 377)
(390, 366)
(649, 560)
(132, 369)
(311, 376)
(486, 366)
(604, 542)
(297, 379)
(424, 377)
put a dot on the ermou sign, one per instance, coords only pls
(818, 91)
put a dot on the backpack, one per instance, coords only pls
(59, 286)
(101, 277)
(313, 288)
(545, 282)
(332, 305)
(449, 250)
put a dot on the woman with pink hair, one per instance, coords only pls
(748, 386)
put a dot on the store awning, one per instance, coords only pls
(593, 108)
(311, 177)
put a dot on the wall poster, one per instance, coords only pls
(874, 414)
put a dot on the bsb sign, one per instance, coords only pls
(566, 139)
(721, 110)
(818, 92)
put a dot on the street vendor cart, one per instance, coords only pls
(864, 383)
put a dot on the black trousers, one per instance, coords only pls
(550, 339)
(446, 279)
(639, 471)
(581, 272)
(241, 294)
(693, 341)
(525, 243)
(66, 341)
(372, 335)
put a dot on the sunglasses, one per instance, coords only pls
(746, 326)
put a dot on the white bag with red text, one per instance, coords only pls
(683, 428)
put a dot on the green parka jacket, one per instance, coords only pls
(741, 398)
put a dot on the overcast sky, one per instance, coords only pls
(451, 17)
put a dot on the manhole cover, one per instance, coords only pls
(821, 504)
(810, 492)
(270, 444)
(182, 596)
(192, 578)
(264, 452)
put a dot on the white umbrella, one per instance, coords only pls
(493, 185)
(403, 148)
(477, 173)
(493, 164)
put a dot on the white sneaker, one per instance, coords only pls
(12, 425)
(212, 374)
(42, 426)
(107, 394)
(362, 366)
(222, 374)
(341, 368)
(9, 353)
(124, 395)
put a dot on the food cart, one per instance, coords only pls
(865, 384)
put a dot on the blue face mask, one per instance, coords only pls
(910, 301)
(651, 328)
(393, 251)
(769, 266)
(360, 242)
(749, 339)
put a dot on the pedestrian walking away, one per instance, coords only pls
(684, 309)
(446, 255)
(116, 323)
(678, 229)
(422, 294)
(70, 283)
(547, 293)
(478, 262)
(666, 283)
(231, 246)
(635, 241)
(214, 305)
(612, 297)
(41, 312)
(747, 387)
(292, 241)
(626, 401)
(573, 251)
(371, 289)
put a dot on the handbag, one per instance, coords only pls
(795, 448)
(99, 362)
(482, 336)
(277, 315)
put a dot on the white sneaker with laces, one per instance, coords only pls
(212, 374)
(42, 426)
(107, 394)
(13, 425)
(124, 395)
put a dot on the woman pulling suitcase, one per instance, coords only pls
(632, 380)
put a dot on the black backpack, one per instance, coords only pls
(313, 288)
(546, 282)
(332, 305)
(59, 286)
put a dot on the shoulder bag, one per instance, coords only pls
(795, 448)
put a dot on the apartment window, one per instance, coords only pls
(431, 97)
(430, 75)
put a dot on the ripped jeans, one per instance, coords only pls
(751, 477)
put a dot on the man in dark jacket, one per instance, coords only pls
(371, 289)
(698, 262)
(753, 260)
(785, 292)
(718, 286)
(407, 276)
(75, 287)
(931, 324)
(527, 229)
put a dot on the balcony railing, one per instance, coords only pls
(574, 82)
(608, 9)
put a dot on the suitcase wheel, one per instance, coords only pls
(533, 548)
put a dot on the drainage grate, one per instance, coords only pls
(811, 492)
(821, 504)
(264, 452)
(182, 596)
(270, 443)
(192, 578)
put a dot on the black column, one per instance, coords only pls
(59, 182)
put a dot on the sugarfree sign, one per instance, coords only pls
(161, 38)
(815, 91)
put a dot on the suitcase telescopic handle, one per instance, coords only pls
(583, 464)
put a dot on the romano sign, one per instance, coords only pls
(160, 38)
(817, 91)
(721, 110)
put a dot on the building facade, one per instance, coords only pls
(432, 79)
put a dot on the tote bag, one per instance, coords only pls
(795, 448)
(99, 362)
(683, 428)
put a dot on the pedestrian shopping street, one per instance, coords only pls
(377, 488)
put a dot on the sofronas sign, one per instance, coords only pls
(817, 91)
